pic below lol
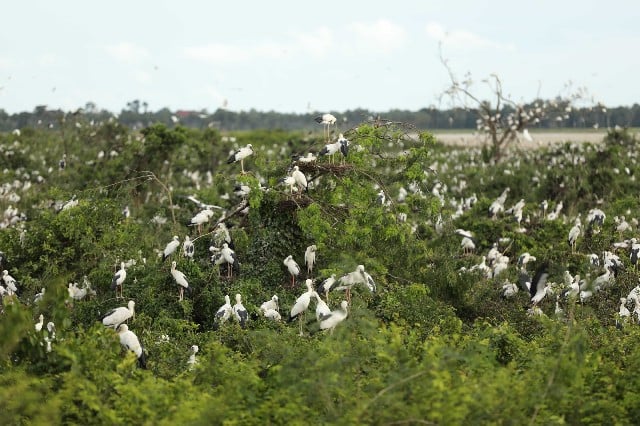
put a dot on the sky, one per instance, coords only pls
(298, 56)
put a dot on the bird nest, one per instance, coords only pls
(324, 168)
(294, 202)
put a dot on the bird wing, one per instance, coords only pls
(539, 280)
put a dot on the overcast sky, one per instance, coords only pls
(300, 56)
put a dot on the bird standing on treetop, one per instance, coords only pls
(326, 120)
(240, 155)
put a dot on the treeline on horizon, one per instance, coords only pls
(136, 115)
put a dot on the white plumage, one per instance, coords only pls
(118, 280)
(117, 316)
(40, 323)
(299, 178)
(170, 247)
(130, 341)
(293, 268)
(330, 321)
(326, 285)
(229, 257)
(359, 276)
(224, 312)
(326, 120)
(188, 247)
(302, 304)
(322, 309)
(192, 361)
(310, 258)
(240, 313)
(240, 155)
(180, 279)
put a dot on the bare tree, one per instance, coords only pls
(501, 119)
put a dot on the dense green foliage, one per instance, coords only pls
(433, 344)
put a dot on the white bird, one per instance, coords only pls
(117, 316)
(524, 259)
(240, 155)
(180, 279)
(240, 313)
(38, 297)
(310, 258)
(623, 312)
(509, 289)
(293, 268)
(188, 247)
(272, 314)
(192, 361)
(330, 321)
(330, 149)
(223, 313)
(327, 120)
(130, 342)
(118, 280)
(326, 285)
(299, 178)
(270, 304)
(301, 304)
(359, 276)
(40, 323)
(229, 257)
(170, 247)
(539, 286)
(468, 243)
(9, 282)
(574, 233)
(291, 183)
(201, 218)
(322, 309)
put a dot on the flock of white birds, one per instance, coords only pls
(223, 256)
(450, 188)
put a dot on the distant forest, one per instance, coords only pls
(137, 115)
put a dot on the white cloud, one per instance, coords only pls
(142, 77)
(127, 52)
(381, 35)
(317, 43)
(5, 63)
(464, 39)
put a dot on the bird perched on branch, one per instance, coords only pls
(359, 276)
(117, 316)
(299, 178)
(240, 155)
(118, 280)
(170, 247)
